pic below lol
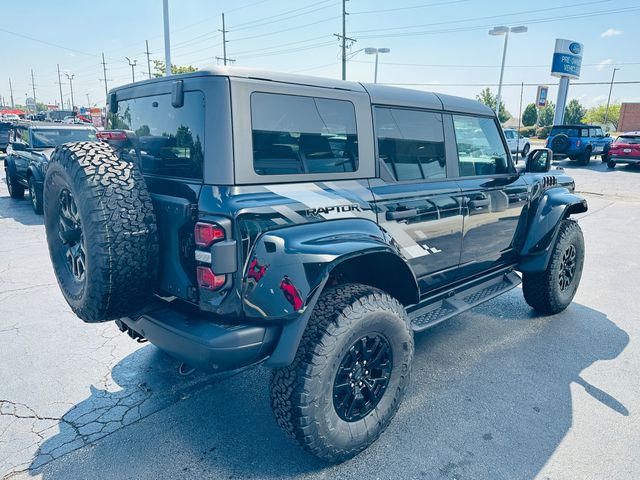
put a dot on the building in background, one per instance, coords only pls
(629, 117)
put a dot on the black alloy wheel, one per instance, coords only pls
(362, 377)
(70, 233)
(567, 268)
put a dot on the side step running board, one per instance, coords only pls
(433, 311)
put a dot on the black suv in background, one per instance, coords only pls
(30, 147)
(236, 216)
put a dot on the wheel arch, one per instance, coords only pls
(545, 216)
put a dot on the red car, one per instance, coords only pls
(625, 149)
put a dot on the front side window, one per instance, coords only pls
(480, 148)
(411, 143)
(293, 134)
(171, 139)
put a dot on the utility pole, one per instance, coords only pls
(132, 65)
(148, 58)
(224, 42)
(70, 77)
(33, 86)
(167, 40)
(104, 71)
(88, 100)
(221, 59)
(11, 91)
(343, 38)
(60, 85)
(606, 113)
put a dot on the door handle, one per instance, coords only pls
(478, 203)
(400, 214)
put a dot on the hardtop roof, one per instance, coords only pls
(379, 94)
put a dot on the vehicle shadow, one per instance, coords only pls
(490, 398)
(19, 210)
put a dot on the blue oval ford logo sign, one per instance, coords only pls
(575, 48)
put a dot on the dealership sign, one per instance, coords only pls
(567, 59)
(542, 96)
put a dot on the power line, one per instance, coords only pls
(285, 16)
(384, 10)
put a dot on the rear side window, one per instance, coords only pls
(569, 132)
(411, 143)
(480, 148)
(171, 139)
(293, 134)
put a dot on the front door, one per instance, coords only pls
(416, 203)
(492, 194)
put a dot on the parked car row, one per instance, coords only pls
(29, 149)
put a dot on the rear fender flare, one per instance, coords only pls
(546, 213)
(289, 268)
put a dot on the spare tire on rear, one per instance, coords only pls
(101, 231)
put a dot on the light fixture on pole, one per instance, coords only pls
(606, 113)
(376, 51)
(132, 64)
(497, 31)
(70, 77)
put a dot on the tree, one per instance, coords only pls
(596, 115)
(489, 99)
(574, 112)
(545, 117)
(159, 68)
(530, 115)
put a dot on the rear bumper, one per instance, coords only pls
(624, 159)
(200, 341)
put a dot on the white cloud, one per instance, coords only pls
(604, 63)
(612, 32)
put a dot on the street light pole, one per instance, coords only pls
(132, 65)
(70, 77)
(502, 30)
(376, 51)
(167, 41)
(606, 114)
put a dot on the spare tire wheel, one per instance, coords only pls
(101, 231)
(560, 143)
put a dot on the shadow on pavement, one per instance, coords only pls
(20, 210)
(490, 398)
(596, 165)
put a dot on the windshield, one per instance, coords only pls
(53, 137)
(633, 140)
(569, 132)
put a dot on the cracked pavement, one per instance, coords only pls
(496, 392)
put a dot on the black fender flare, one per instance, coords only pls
(546, 212)
(288, 269)
(34, 171)
(9, 165)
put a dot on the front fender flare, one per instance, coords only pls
(546, 213)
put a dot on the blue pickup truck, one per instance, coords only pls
(578, 142)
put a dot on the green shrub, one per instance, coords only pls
(528, 131)
(543, 132)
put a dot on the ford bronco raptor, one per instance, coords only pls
(579, 142)
(235, 216)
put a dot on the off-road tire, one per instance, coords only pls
(585, 158)
(302, 393)
(542, 290)
(35, 196)
(611, 164)
(16, 190)
(118, 231)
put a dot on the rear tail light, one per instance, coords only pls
(209, 280)
(578, 143)
(106, 135)
(207, 233)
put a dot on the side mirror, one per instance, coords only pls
(18, 147)
(539, 160)
(607, 135)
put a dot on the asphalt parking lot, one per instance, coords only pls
(497, 392)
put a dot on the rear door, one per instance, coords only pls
(492, 194)
(417, 204)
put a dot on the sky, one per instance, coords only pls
(435, 45)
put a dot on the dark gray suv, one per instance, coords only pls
(235, 216)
